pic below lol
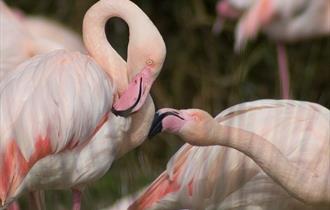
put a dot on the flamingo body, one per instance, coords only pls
(78, 167)
(219, 177)
(75, 137)
(40, 106)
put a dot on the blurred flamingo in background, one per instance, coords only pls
(281, 164)
(57, 131)
(14, 46)
(43, 28)
(282, 21)
(24, 37)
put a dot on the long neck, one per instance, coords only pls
(96, 42)
(300, 182)
(140, 125)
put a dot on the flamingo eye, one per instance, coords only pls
(195, 117)
(149, 62)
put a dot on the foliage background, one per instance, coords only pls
(201, 70)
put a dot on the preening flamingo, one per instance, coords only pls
(273, 154)
(282, 21)
(24, 37)
(57, 130)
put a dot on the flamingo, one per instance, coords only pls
(282, 21)
(273, 154)
(58, 129)
(23, 37)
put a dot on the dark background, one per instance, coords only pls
(201, 71)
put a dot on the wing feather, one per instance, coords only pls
(49, 103)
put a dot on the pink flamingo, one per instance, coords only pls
(283, 21)
(24, 37)
(273, 154)
(57, 130)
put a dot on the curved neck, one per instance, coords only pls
(140, 125)
(143, 38)
(96, 41)
(300, 182)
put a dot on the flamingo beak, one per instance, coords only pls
(157, 123)
(126, 112)
(133, 98)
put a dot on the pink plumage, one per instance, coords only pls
(220, 177)
(39, 114)
(59, 127)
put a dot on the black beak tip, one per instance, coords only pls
(124, 113)
(156, 126)
(114, 111)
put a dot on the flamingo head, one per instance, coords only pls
(193, 125)
(145, 65)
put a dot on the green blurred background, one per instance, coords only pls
(201, 70)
